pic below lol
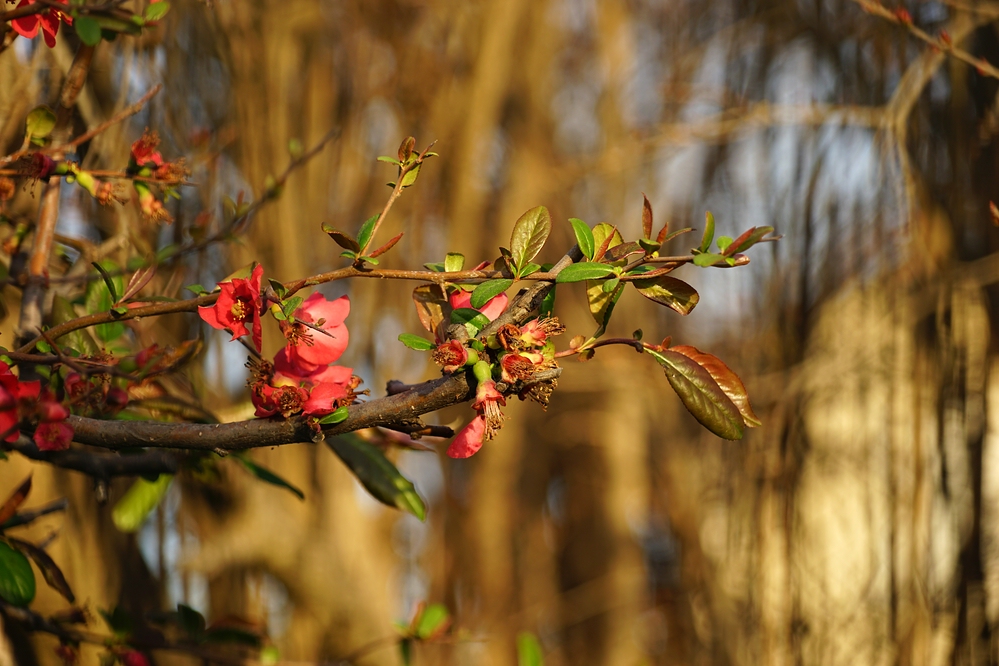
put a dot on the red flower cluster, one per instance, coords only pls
(239, 302)
(48, 21)
(28, 401)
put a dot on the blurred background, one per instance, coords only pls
(859, 525)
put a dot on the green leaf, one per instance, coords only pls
(156, 10)
(50, 570)
(411, 176)
(669, 291)
(415, 342)
(723, 242)
(235, 635)
(191, 621)
(649, 246)
(364, 235)
(289, 306)
(88, 29)
(747, 239)
(108, 281)
(118, 621)
(196, 289)
(605, 237)
(472, 319)
(433, 621)
(584, 271)
(63, 311)
(610, 285)
(529, 269)
(454, 262)
(436, 266)
(701, 394)
(133, 508)
(488, 290)
(602, 304)
(547, 304)
(406, 651)
(529, 236)
(266, 475)
(709, 259)
(337, 416)
(389, 159)
(40, 122)
(378, 475)
(529, 650)
(709, 231)
(341, 238)
(17, 580)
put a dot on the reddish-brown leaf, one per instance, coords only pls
(50, 570)
(646, 217)
(700, 394)
(432, 306)
(388, 246)
(12, 504)
(725, 378)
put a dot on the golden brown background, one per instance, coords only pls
(858, 526)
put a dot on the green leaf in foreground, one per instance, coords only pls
(432, 621)
(266, 475)
(488, 290)
(529, 650)
(584, 271)
(88, 29)
(377, 474)
(473, 320)
(415, 342)
(529, 235)
(584, 236)
(709, 231)
(17, 580)
(40, 122)
(133, 508)
(50, 570)
(701, 394)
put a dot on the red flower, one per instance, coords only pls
(27, 26)
(328, 388)
(270, 400)
(53, 436)
(238, 303)
(144, 149)
(324, 398)
(493, 308)
(469, 440)
(309, 350)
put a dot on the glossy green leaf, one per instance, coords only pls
(669, 291)
(725, 378)
(17, 580)
(610, 285)
(40, 122)
(473, 320)
(338, 416)
(709, 231)
(156, 10)
(364, 235)
(88, 29)
(605, 237)
(723, 242)
(415, 342)
(378, 475)
(529, 235)
(411, 176)
(144, 496)
(700, 394)
(584, 236)
(709, 259)
(488, 290)
(584, 271)
(432, 622)
(454, 262)
(50, 570)
(529, 650)
(266, 475)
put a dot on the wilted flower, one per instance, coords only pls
(451, 355)
(518, 366)
(238, 302)
(144, 151)
(53, 436)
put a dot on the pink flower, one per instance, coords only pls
(535, 332)
(53, 436)
(238, 303)
(323, 399)
(493, 308)
(484, 426)
(308, 349)
(48, 21)
(469, 440)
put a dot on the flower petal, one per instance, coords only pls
(469, 440)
